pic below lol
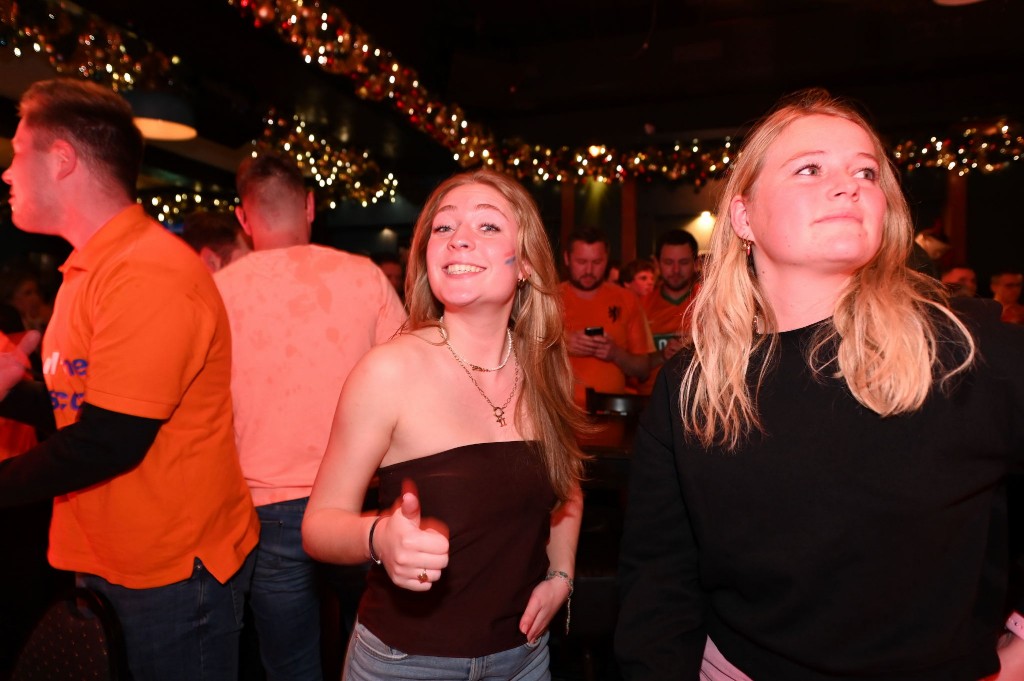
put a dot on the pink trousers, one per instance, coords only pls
(716, 668)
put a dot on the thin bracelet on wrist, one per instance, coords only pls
(568, 601)
(369, 540)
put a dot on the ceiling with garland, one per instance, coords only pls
(376, 98)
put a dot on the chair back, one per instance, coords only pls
(618, 404)
(77, 639)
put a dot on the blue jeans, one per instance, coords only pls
(370, 659)
(186, 630)
(285, 601)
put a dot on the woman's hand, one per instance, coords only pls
(14, 361)
(547, 598)
(413, 550)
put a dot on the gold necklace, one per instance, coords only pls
(499, 412)
(475, 367)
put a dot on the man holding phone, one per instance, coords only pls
(667, 306)
(607, 333)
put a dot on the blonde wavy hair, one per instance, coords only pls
(537, 322)
(887, 327)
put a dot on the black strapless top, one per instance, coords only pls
(496, 500)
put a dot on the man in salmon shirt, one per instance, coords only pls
(301, 316)
(150, 507)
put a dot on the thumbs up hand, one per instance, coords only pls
(413, 549)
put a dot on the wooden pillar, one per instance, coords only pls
(628, 236)
(568, 213)
(954, 217)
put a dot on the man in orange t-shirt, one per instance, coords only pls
(150, 507)
(607, 335)
(667, 305)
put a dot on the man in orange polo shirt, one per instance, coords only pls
(667, 305)
(150, 507)
(607, 335)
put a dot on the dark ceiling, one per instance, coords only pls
(624, 73)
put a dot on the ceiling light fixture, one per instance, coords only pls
(162, 115)
(955, 3)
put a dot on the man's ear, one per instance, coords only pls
(65, 156)
(310, 207)
(240, 216)
(740, 218)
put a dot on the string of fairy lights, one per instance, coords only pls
(77, 42)
(324, 36)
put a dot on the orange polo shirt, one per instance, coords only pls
(139, 328)
(618, 311)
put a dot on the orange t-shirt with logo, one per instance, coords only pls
(618, 311)
(139, 328)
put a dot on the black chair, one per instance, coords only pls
(77, 639)
(621, 404)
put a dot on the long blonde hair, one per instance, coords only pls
(885, 332)
(538, 329)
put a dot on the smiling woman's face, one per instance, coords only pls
(471, 254)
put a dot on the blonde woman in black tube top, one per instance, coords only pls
(467, 418)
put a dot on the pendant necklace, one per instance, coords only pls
(475, 367)
(499, 412)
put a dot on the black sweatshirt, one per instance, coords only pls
(837, 545)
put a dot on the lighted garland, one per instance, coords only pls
(324, 35)
(170, 206)
(78, 43)
(334, 168)
(977, 149)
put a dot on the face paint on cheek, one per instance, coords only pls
(510, 260)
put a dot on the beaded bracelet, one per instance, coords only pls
(568, 601)
(373, 556)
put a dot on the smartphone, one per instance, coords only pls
(594, 330)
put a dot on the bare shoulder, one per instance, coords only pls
(394, 363)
